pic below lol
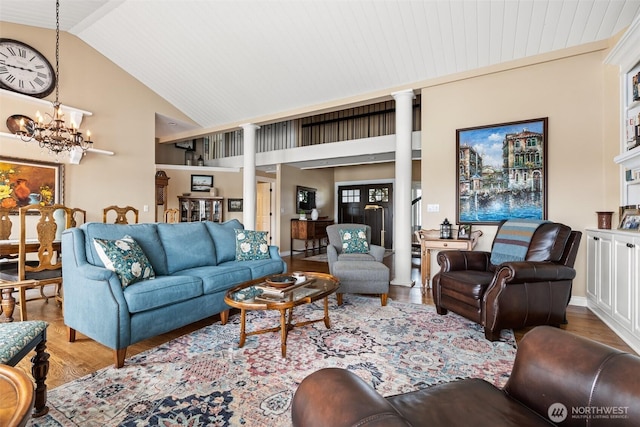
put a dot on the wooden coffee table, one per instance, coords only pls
(316, 286)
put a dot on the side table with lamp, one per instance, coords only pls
(440, 240)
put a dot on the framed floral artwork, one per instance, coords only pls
(26, 182)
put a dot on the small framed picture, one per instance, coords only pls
(234, 205)
(630, 220)
(464, 231)
(201, 182)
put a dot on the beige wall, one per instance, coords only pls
(290, 177)
(123, 121)
(578, 96)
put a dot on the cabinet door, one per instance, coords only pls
(593, 265)
(603, 286)
(625, 256)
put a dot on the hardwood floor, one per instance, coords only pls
(69, 361)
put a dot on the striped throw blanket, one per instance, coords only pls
(513, 239)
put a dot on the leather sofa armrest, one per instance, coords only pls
(337, 397)
(531, 272)
(463, 260)
(554, 366)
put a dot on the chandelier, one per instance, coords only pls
(51, 132)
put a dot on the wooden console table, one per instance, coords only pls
(309, 231)
(430, 240)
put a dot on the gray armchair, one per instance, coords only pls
(361, 273)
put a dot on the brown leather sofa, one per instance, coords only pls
(556, 375)
(514, 295)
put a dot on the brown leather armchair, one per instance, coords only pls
(515, 295)
(557, 379)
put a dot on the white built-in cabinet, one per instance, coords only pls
(613, 256)
(613, 262)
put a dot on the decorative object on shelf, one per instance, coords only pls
(14, 121)
(55, 135)
(604, 220)
(314, 214)
(445, 229)
(187, 145)
(303, 215)
(201, 182)
(486, 199)
(213, 191)
(200, 161)
(464, 231)
(27, 182)
(382, 230)
(629, 218)
(188, 157)
(234, 205)
(32, 73)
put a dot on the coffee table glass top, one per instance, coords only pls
(257, 294)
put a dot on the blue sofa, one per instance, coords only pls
(194, 263)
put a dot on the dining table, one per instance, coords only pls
(12, 246)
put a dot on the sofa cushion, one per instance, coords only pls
(251, 245)
(259, 268)
(474, 399)
(126, 258)
(187, 245)
(145, 234)
(354, 241)
(224, 238)
(162, 291)
(220, 277)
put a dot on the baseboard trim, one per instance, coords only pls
(578, 301)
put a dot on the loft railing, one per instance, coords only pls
(354, 123)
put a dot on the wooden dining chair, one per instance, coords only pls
(39, 258)
(78, 217)
(121, 214)
(5, 234)
(171, 216)
(5, 224)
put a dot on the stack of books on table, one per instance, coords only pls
(292, 292)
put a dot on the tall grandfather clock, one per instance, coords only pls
(162, 181)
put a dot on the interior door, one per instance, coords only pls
(369, 204)
(263, 208)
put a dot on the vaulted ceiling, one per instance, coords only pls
(224, 62)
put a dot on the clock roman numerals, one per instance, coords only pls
(25, 70)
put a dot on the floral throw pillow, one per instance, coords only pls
(251, 245)
(354, 241)
(126, 258)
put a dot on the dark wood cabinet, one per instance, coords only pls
(310, 231)
(200, 208)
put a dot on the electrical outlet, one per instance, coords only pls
(145, 208)
(433, 208)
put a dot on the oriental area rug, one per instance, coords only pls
(203, 379)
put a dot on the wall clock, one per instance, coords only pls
(25, 70)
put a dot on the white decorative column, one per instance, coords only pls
(402, 191)
(249, 176)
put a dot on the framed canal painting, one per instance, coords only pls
(502, 172)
